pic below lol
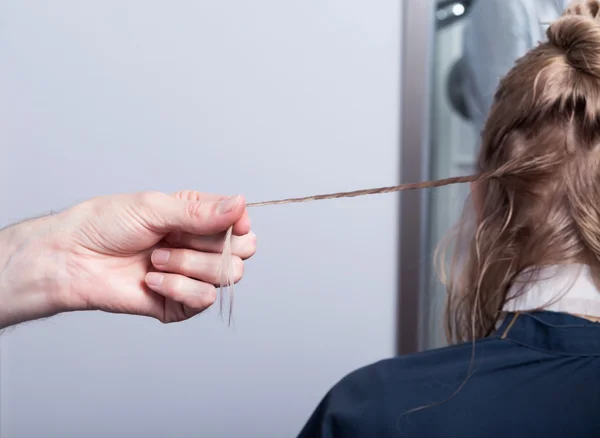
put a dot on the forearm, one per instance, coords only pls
(30, 272)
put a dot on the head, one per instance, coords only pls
(538, 198)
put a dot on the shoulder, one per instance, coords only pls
(412, 370)
(371, 400)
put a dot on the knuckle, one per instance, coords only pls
(238, 268)
(217, 274)
(144, 206)
(218, 268)
(197, 210)
(202, 297)
(247, 246)
(173, 285)
(148, 197)
(252, 246)
(183, 194)
(181, 261)
(210, 295)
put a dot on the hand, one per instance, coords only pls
(148, 254)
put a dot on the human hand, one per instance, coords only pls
(110, 254)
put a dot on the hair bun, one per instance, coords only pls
(577, 33)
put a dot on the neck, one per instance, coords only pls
(567, 288)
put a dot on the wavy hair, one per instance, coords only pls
(541, 204)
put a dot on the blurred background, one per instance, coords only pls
(268, 99)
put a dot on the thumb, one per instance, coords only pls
(166, 214)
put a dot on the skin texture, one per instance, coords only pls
(149, 254)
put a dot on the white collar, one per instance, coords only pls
(559, 288)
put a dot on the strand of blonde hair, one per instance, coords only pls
(226, 272)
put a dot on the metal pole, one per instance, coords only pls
(418, 23)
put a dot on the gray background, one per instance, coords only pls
(267, 98)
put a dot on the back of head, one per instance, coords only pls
(539, 203)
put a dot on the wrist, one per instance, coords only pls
(31, 282)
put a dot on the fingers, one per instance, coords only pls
(196, 265)
(195, 223)
(240, 228)
(164, 214)
(194, 294)
(243, 247)
(192, 195)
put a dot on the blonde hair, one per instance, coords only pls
(541, 204)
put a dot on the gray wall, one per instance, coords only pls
(267, 98)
